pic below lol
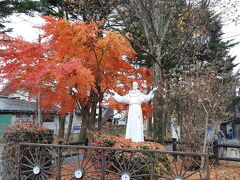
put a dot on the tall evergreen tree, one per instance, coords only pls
(5, 10)
(215, 51)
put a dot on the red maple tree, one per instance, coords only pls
(71, 55)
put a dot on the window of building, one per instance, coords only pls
(23, 118)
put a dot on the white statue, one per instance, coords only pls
(135, 119)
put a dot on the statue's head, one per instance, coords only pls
(135, 85)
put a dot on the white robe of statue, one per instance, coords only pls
(134, 98)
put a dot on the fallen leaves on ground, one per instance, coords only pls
(226, 171)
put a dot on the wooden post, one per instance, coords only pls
(215, 150)
(174, 145)
(174, 148)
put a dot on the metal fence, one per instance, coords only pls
(226, 152)
(65, 162)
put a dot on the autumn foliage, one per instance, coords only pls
(70, 55)
(24, 127)
(121, 142)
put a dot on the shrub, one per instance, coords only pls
(20, 133)
(121, 142)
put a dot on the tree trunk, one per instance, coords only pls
(39, 111)
(61, 127)
(100, 110)
(149, 128)
(159, 125)
(205, 140)
(85, 124)
(158, 120)
(165, 122)
(83, 131)
(92, 115)
(69, 128)
(100, 118)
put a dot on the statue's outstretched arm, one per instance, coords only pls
(152, 91)
(118, 98)
(149, 96)
(155, 88)
(112, 91)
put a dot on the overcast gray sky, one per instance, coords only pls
(24, 26)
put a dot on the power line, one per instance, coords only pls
(231, 36)
(26, 20)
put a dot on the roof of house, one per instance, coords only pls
(107, 113)
(16, 105)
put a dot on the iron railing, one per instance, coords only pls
(220, 152)
(65, 162)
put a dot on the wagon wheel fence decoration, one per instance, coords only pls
(65, 162)
(37, 163)
(80, 164)
(127, 165)
(178, 167)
